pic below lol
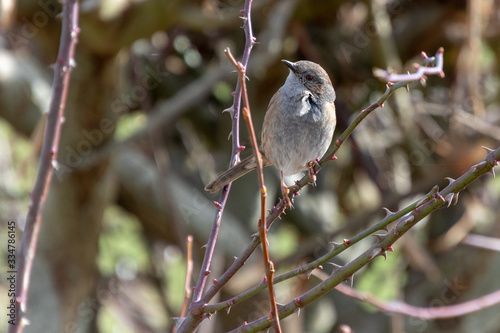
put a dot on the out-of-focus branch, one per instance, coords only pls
(48, 158)
(440, 312)
(189, 272)
(420, 74)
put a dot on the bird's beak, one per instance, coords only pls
(290, 65)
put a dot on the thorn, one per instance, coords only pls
(72, 63)
(451, 180)
(440, 197)
(178, 321)
(390, 84)
(350, 279)
(492, 171)
(424, 55)
(441, 75)
(241, 148)
(416, 66)
(387, 212)
(204, 246)
(230, 134)
(409, 219)
(423, 81)
(298, 311)
(235, 257)
(449, 198)
(217, 205)
(433, 192)
(346, 242)
(309, 273)
(338, 143)
(334, 157)
(214, 282)
(228, 309)
(407, 87)
(320, 267)
(335, 245)
(479, 166)
(390, 248)
(207, 272)
(382, 105)
(280, 306)
(383, 253)
(56, 165)
(440, 50)
(488, 150)
(335, 266)
(379, 237)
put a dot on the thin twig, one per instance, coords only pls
(48, 158)
(189, 273)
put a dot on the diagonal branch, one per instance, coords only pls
(441, 312)
(48, 158)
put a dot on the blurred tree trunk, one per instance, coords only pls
(65, 265)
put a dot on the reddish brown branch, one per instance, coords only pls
(48, 159)
(442, 312)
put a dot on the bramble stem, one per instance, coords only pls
(48, 158)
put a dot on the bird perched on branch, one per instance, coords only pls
(298, 126)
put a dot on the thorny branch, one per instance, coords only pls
(196, 314)
(268, 264)
(425, 206)
(48, 158)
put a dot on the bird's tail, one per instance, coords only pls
(240, 169)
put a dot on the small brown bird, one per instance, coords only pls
(298, 126)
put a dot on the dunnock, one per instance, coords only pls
(298, 126)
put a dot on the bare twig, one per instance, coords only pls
(189, 273)
(48, 158)
(421, 72)
(440, 312)
(482, 242)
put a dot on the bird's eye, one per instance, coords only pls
(309, 77)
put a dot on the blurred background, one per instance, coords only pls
(144, 132)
